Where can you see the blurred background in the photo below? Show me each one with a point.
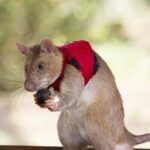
(119, 30)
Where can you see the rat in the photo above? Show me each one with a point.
(85, 92)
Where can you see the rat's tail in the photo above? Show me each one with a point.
(138, 139)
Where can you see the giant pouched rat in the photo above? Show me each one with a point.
(91, 109)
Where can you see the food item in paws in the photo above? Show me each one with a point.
(42, 95)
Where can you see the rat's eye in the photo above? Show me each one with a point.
(40, 66)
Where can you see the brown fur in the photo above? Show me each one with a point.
(91, 114)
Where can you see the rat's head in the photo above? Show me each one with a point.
(43, 63)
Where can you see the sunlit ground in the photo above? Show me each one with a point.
(24, 123)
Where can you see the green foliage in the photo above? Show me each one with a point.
(28, 21)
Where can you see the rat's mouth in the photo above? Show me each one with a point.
(29, 86)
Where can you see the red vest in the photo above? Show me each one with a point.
(80, 55)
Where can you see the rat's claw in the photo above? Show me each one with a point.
(49, 104)
(50, 97)
(36, 100)
(34, 95)
(40, 105)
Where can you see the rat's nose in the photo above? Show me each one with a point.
(29, 86)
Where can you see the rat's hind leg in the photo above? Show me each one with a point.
(72, 143)
(101, 138)
(69, 135)
(103, 141)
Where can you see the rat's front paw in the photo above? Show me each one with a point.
(50, 104)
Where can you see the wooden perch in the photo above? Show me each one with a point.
(38, 148)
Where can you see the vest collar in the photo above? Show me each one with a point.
(66, 58)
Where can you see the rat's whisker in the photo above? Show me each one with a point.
(17, 95)
(14, 80)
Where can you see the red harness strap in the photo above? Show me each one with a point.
(79, 54)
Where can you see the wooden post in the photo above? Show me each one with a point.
(38, 148)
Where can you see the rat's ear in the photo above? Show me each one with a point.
(46, 45)
(23, 49)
